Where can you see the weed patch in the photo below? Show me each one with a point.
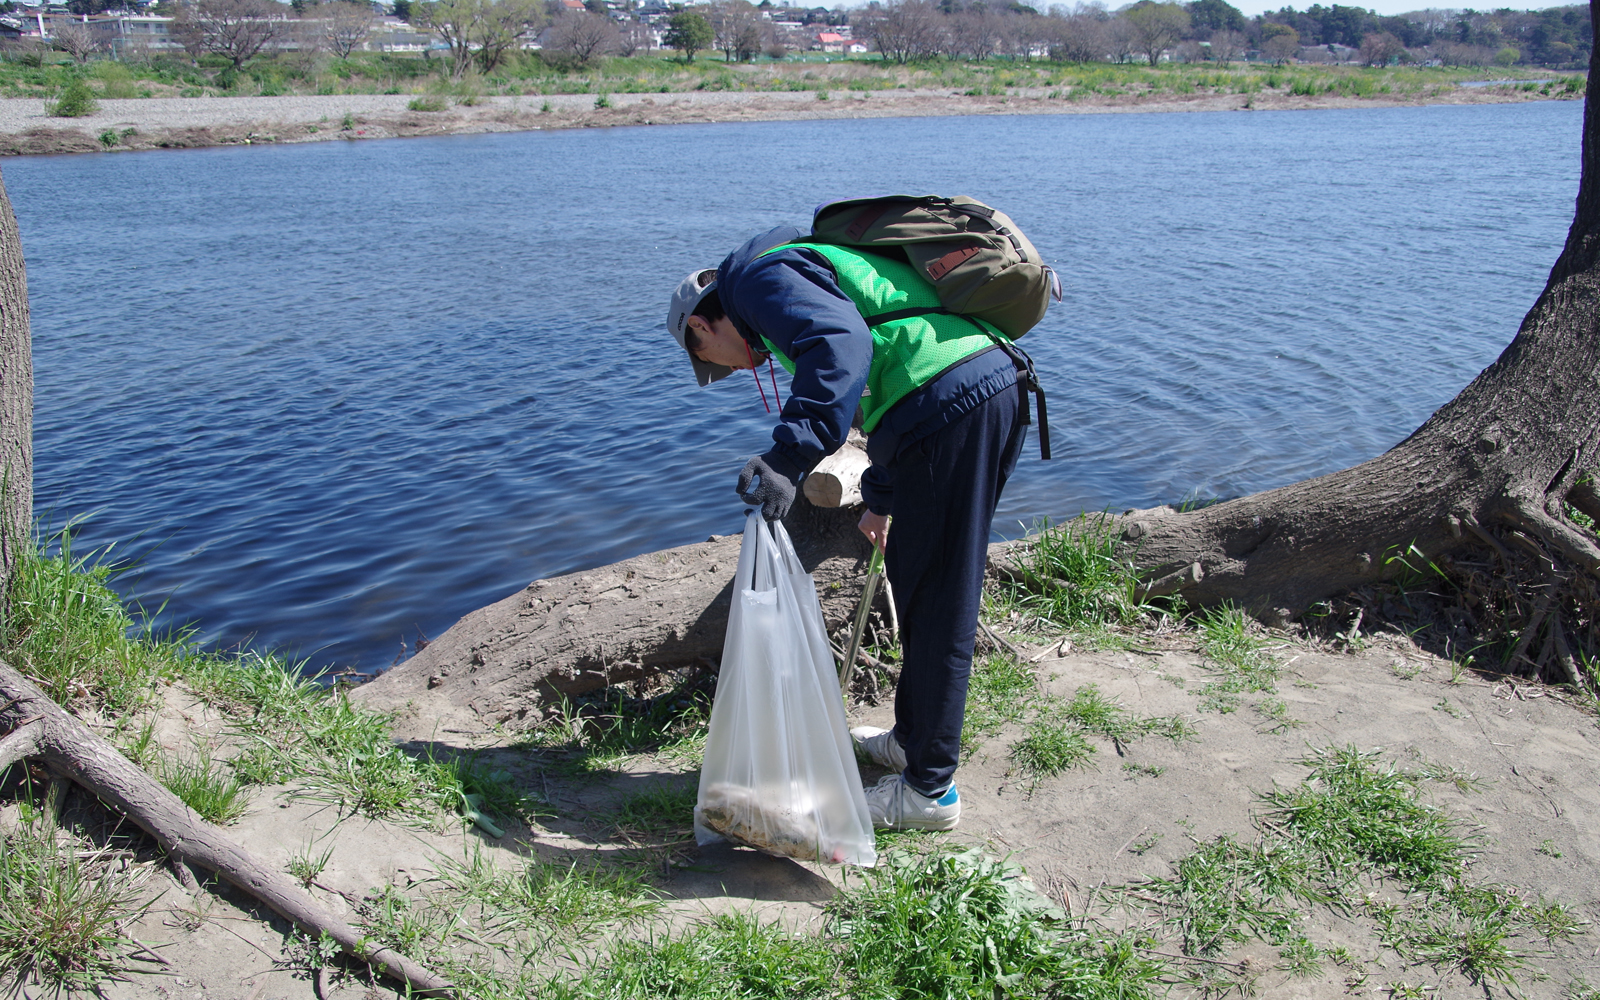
(60, 904)
(1354, 821)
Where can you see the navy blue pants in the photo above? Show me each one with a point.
(946, 487)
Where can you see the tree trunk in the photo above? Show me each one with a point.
(16, 396)
(38, 728)
(1494, 470)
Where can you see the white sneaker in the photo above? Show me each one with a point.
(895, 805)
(878, 746)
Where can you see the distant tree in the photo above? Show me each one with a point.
(1156, 27)
(235, 29)
(402, 10)
(688, 32)
(633, 36)
(1215, 15)
(581, 37)
(1280, 46)
(1380, 48)
(1226, 46)
(76, 39)
(902, 30)
(455, 22)
(82, 7)
(502, 28)
(1026, 33)
(1345, 26)
(1119, 40)
(1508, 56)
(975, 33)
(736, 26)
(345, 26)
(1077, 37)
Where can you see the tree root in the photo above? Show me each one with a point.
(72, 751)
(1577, 547)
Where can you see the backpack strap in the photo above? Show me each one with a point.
(1027, 375)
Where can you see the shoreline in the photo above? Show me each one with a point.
(187, 123)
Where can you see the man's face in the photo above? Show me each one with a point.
(720, 344)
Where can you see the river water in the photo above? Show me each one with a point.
(334, 395)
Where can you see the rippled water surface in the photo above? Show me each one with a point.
(339, 393)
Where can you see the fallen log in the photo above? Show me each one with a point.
(836, 481)
(40, 729)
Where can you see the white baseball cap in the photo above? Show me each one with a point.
(694, 288)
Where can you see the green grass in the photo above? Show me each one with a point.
(935, 924)
(70, 631)
(205, 785)
(1050, 747)
(603, 732)
(663, 811)
(60, 904)
(1355, 821)
(1360, 813)
(295, 730)
(1236, 656)
(999, 691)
(1075, 577)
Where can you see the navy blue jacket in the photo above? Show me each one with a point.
(793, 299)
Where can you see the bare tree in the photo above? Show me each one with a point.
(902, 30)
(633, 36)
(1156, 27)
(76, 39)
(1188, 51)
(502, 27)
(1379, 48)
(16, 399)
(581, 37)
(345, 26)
(736, 28)
(1119, 39)
(237, 29)
(975, 33)
(1078, 37)
(1226, 46)
(1027, 35)
(1281, 47)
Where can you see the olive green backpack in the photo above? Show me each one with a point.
(976, 258)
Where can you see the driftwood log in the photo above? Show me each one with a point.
(39, 729)
(572, 634)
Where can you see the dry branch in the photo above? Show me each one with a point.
(73, 751)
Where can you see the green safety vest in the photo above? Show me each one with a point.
(909, 352)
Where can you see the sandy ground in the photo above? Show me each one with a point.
(211, 121)
(1074, 833)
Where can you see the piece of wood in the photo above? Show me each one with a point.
(836, 481)
(73, 751)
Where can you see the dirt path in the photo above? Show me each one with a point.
(1128, 813)
(213, 121)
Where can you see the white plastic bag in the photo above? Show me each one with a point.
(779, 774)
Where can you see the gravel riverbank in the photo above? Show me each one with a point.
(214, 121)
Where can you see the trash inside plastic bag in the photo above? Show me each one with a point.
(779, 774)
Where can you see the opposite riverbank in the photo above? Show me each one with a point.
(180, 123)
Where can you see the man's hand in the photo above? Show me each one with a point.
(875, 527)
(774, 492)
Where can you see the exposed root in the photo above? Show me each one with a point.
(21, 742)
(1521, 603)
(1578, 547)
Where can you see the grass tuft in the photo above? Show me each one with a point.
(204, 784)
(60, 905)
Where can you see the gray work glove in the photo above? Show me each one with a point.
(774, 491)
